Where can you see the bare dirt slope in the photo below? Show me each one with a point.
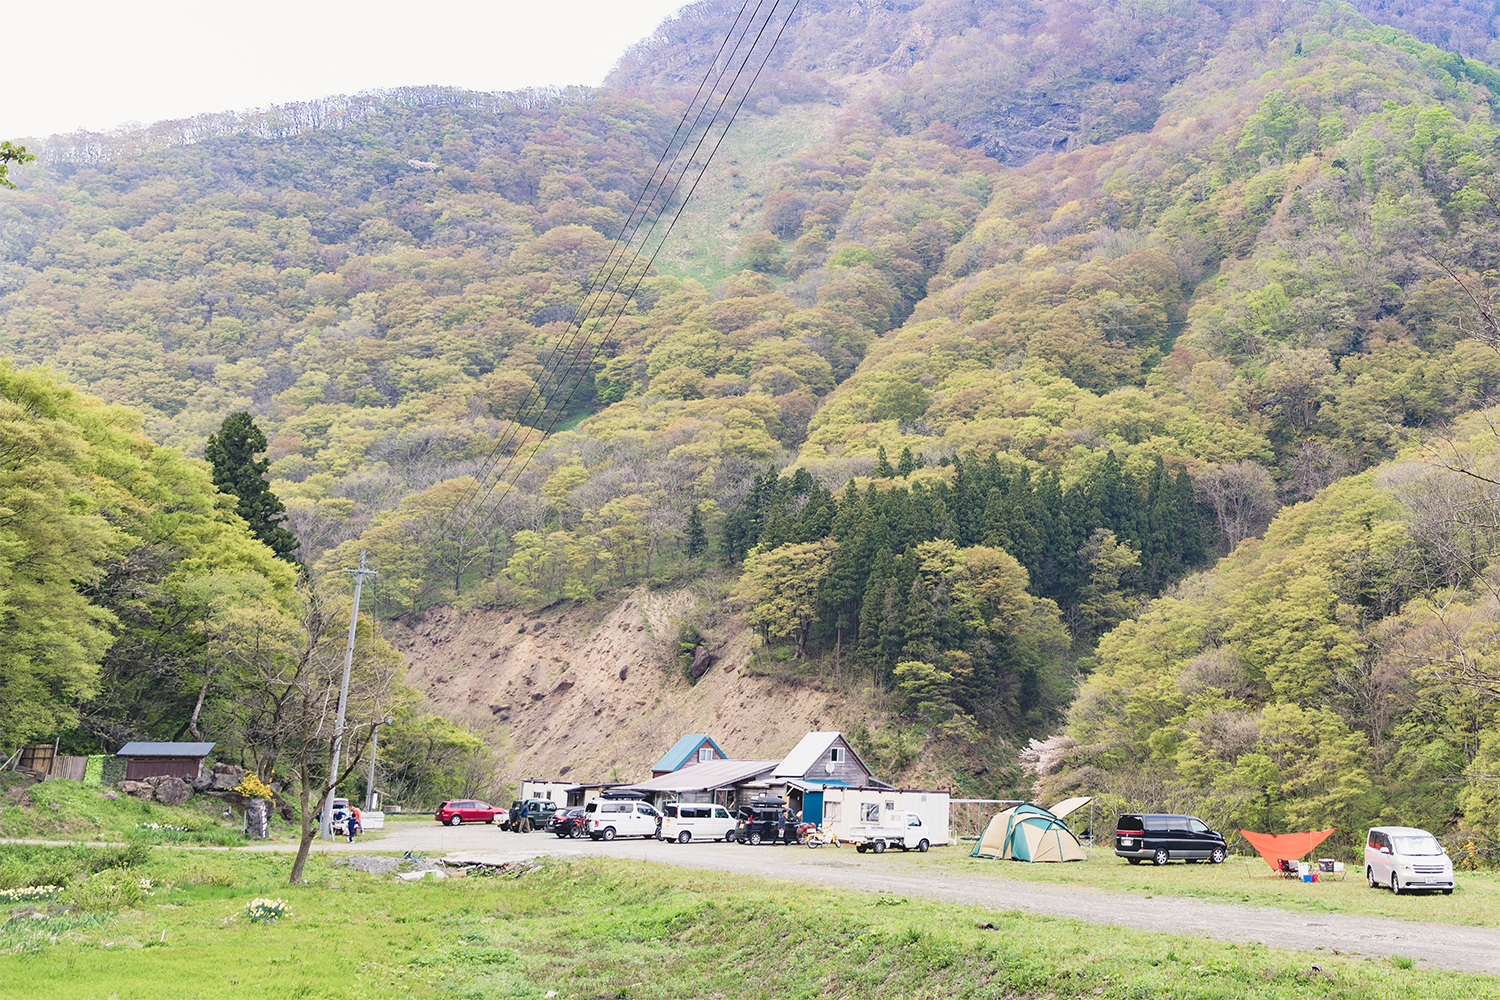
(588, 690)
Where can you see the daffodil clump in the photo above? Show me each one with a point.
(267, 911)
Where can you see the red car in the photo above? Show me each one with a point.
(466, 811)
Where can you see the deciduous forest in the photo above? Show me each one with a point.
(1110, 386)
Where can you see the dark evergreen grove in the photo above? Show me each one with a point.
(1085, 546)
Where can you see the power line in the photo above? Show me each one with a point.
(681, 207)
(625, 238)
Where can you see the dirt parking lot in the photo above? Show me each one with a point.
(1470, 949)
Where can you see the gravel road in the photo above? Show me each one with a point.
(1469, 949)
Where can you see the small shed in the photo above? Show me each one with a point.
(158, 760)
(694, 748)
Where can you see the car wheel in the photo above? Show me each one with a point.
(576, 834)
(609, 833)
(1217, 857)
(861, 848)
(1395, 885)
(1161, 856)
(755, 840)
(684, 837)
(1134, 861)
(1447, 892)
(1370, 877)
(455, 821)
(879, 847)
(922, 846)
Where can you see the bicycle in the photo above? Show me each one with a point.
(818, 836)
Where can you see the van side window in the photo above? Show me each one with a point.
(720, 812)
(913, 820)
(1197, 826)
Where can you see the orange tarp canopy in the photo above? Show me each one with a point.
(1276, 847)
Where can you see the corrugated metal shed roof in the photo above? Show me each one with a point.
(165, 750)
(681, 750)
(807, 753)
(709, 774)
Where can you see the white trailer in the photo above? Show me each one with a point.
(844, 809)
(906, 832)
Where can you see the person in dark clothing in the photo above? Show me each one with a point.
(525, 817)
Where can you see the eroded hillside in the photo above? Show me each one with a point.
(587, 693)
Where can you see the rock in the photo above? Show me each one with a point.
(522, 629)
(173, 791)
(702, 660)
(538, 695)
(226, 779)
(498, 709)
(562, 685)
(139, 789)
(623, 672)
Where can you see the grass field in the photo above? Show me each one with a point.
(1476, 901)
(72, 810)
(607, 928)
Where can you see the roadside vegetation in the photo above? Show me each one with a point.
(72, 810)
(612, 928)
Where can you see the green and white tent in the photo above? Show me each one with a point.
(1029, 833)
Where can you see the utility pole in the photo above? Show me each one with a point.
(370, 788)
(325, 821)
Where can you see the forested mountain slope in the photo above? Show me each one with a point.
(1058, 304)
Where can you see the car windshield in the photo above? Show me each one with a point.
(1418, 845)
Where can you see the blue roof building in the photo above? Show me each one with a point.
(695, 748)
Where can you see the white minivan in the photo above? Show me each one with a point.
(611, 818)
(1405, 858)
(685, 821)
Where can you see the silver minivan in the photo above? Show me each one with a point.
(1406, 858)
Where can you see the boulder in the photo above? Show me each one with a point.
(226, 779)
(173, 791)
(702, 660)
(139, 789)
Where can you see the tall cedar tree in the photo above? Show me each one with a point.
(236, 470)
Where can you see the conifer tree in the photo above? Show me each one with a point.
(697, 537)
(232, 452)
(883, 468)
(906, 465)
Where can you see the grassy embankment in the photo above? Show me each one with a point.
(72, 810)
(605, 928)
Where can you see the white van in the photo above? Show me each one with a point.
(1405, 858)
(611, 818)
(685, 821)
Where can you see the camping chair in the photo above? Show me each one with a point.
(1287, 869)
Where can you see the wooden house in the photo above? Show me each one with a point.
(695, 748)
(156, 760)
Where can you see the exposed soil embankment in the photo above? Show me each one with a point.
(587, 689)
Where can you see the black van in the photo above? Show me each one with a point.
(1162, 838)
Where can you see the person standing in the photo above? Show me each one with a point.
(525, 817)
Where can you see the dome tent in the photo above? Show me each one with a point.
(1028, 833)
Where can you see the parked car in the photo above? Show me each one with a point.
(465, 811)
(538, 816)
(1406, 858)
(613, 818)
(568, 823)
(765, 824)
(685, 821)
(1160, 838)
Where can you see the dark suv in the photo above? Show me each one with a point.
(1161, 838)
(757, 824)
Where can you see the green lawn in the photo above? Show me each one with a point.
(1475, 902)
(72, 810)
(610, 928)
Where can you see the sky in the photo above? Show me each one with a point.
(88, 64)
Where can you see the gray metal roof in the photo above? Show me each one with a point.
(809, 751)
(165, 750)
(709, 774)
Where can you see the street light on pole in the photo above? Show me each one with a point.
(325, 821)
(370, 788)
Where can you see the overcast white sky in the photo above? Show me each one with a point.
(74, 64)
